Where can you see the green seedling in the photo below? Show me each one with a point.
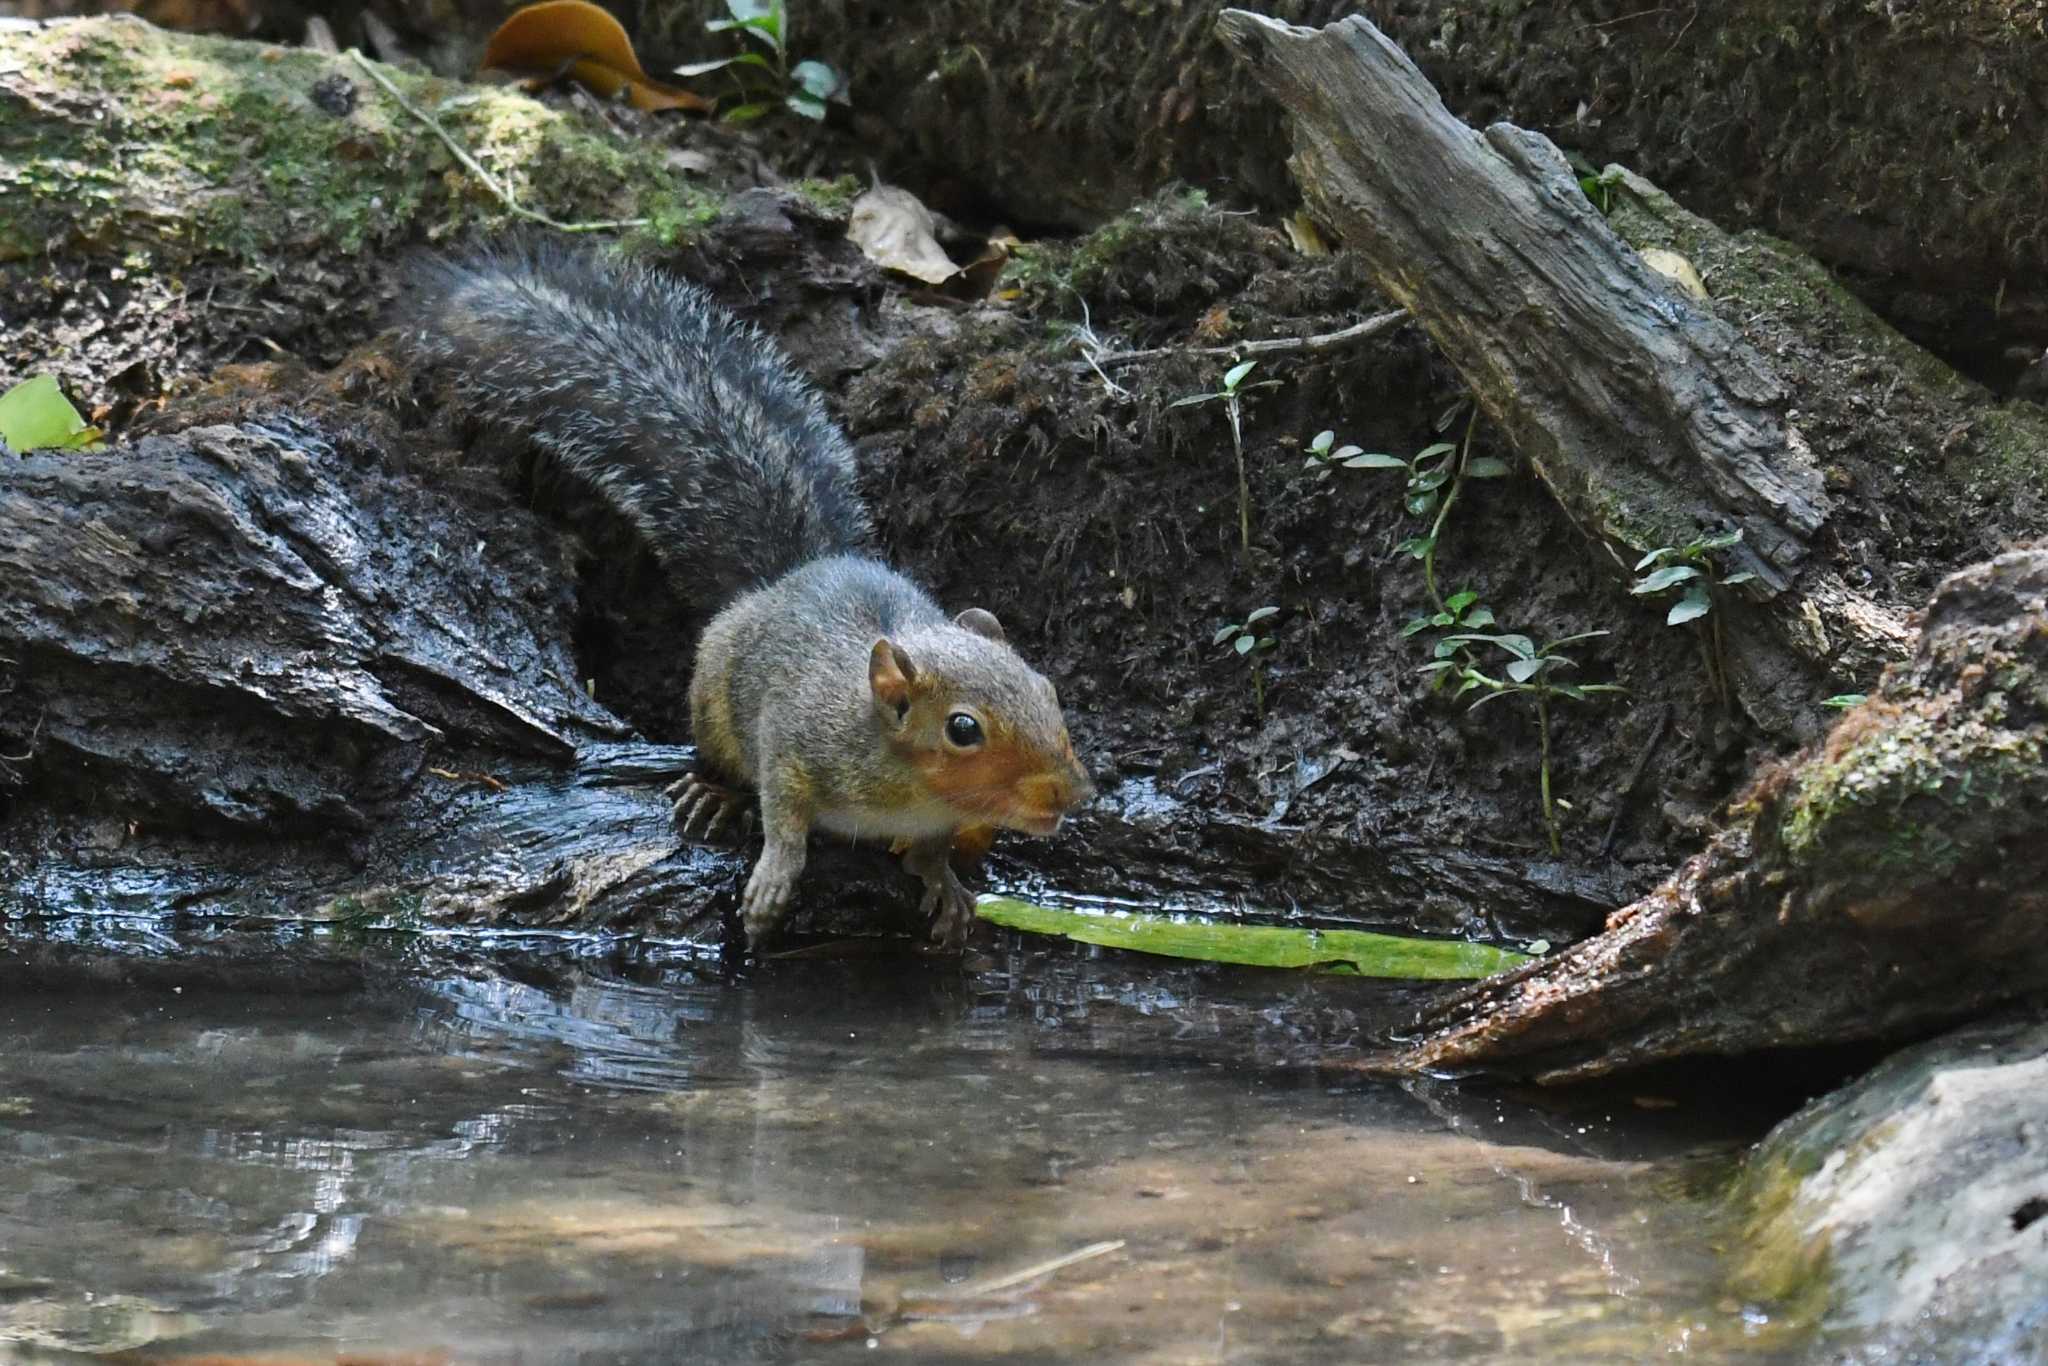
(1690, 571)
(1530, 673)
(1247, 644)
(1597, 185)
(1462, 610)
(1231, 395)
(1599, 188)
(1842, 701)
(766, 82)
(1436, 476)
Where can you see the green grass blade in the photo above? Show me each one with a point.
(1356, 953)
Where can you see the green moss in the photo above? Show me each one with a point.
(213, 146)
(1050, 274)
(1754, 273)
(1779, 1262)
(2010, 450)
(831, 198)
(1906, 804)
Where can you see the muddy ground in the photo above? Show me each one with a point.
(1100, 523)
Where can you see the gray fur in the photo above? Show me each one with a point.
(682, 417)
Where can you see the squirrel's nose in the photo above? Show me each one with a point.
(1056, 793)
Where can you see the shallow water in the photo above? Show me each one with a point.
(549, 1158)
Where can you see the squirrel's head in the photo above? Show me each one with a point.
(981, 728)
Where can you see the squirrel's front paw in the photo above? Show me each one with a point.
(951, 904)
(946, 898)
(770, 888)
(702, 807)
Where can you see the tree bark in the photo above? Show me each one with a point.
(1888, 881)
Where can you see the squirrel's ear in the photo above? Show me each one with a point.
(890, 674)
(982, 623)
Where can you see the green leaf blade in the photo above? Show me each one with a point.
(1694, 605)
(35, 415)
(1349, 952)
(1669, 576)
(818, 79)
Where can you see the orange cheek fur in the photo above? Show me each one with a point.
(982, 781)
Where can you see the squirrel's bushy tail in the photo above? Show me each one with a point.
(682, 417)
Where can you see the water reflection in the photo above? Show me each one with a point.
(566, 1162)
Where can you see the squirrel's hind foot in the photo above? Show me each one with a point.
(703, 808)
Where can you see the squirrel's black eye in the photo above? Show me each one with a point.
(962, 730)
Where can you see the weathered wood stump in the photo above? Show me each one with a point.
(1649, 418)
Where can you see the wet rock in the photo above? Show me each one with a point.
(1908, 1212)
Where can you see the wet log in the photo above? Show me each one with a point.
(256, 627)
(265, 672)
(1888, 881)
(1649, 418)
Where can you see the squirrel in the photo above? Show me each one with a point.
(829, 683)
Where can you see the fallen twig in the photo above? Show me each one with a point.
(475, 168)
(1324, 341)
(1036, 1271)
(494, 784)
(1635, 776)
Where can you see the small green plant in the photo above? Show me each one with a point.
(1231, 395)
(1436, 476)
(1462, 609)
(1842, 701)
(1247, 644)
(1599, 187)
(765, 82)
(1529, 673)
(1690, 570)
